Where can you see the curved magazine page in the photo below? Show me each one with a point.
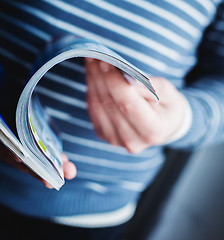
(44, 158)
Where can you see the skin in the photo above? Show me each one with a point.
(68, 167)
(127, 115)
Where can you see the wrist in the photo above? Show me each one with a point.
(185, 124)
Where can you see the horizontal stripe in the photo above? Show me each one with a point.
(93, 144)
(65, 81)
(213, 110)
(68, 118)
(96, 187)
(61, 97)
(164, 32)
(14, 58)
(150, 43)
(159, 36)
(126, 166)
(208, 5)
(161, 66)
(107, 219)
(105, 147)
(169, 16)
(18, 41)
(73, 66)
(29, 28)
(111, 179)
(189, 10)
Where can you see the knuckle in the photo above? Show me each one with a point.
(109, 104)
(130, 145)
(147, 137)
(127, 107)
(135, 148)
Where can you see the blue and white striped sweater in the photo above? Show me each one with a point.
(161, 39)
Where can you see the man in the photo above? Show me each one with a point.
(162, 40)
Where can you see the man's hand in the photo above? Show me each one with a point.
(128, 115)
(68, 167)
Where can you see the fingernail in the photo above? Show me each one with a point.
(104, 67)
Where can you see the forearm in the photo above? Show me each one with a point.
(205, 98)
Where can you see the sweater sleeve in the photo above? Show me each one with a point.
(204, 89)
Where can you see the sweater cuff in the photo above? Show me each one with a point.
(185, 125)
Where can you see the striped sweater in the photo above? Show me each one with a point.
(182, 41)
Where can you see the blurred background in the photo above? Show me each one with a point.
(186, 201)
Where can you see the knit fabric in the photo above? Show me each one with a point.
(161, 38)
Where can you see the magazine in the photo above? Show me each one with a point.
(38, 146)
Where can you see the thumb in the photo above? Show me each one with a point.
(68, 168)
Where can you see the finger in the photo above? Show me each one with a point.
(133, 107)
(102, 123)
(69, 170)
(46, 184)
(12, 159)
(130, 139)
(132, 135)
(96, 105)
(96, 111)
(64, 158)
(126, 134)
(7, 155)
(107, 104)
